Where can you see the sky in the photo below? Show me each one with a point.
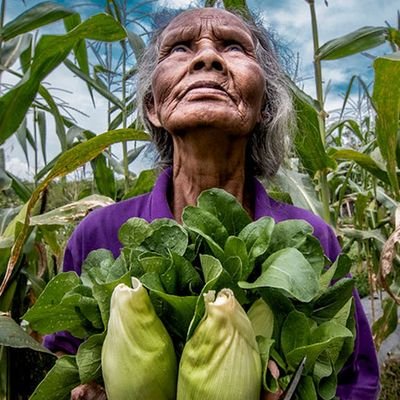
(289, 19)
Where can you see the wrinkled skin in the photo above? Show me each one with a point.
(208, 93)
(88, 391)
(207, 76)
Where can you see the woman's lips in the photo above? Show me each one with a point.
(201, 89)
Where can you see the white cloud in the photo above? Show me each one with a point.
(19, 168)
(174, 3)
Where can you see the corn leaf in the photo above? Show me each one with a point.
(301, 190)
(92, 83)
(387, 323)
(363, 160)
(386, 97)
(142, 184)
(80, 49)
(11, 50)
(50, 51)
(362, 39)
(71, 212)
(37, 16)
(66, 163)
(307, 140)
(103, 176)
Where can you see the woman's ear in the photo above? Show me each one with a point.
(151, 113)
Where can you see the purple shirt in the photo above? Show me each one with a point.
(359, 379)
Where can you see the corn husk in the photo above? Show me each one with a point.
(138, 357)
(262, 318)
(221, 360)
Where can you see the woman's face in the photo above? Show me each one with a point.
(207, 75)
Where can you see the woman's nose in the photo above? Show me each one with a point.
(208, 58)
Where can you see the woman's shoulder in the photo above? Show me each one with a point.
(112, 216)
(99, 229)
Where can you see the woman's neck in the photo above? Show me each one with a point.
(201, 164)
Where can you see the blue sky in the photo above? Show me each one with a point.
(290, 19)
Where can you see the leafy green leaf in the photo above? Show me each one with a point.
(289, 271)
(295, 322)
(207, 226)
(257, 236)
(262, 318)
(134, 231)
(332, 300)
(88, 358)
(306, 389)
(290, 233)
(12, 335)
(102, 293)
(166, 238)
(226, 208)
(50, 314)
(321, 338)
(235, 247)
(98, 267)
(59, 382)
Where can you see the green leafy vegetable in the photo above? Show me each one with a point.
(275, 271)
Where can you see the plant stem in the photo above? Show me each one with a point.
(323, 181)
(124, 118)
(2, 17)
(35, 122)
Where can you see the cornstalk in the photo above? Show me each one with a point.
(124, 118)
(323, 181)
(2, 16)
(5, 376)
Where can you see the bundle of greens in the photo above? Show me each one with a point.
(274, 276)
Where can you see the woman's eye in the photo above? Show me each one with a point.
(179, 48)
(234, 47)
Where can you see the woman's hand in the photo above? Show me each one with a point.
(89, 391)
(274, 371)
(271, 396)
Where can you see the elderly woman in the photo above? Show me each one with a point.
(214, 99)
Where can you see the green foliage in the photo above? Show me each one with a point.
(286, 263)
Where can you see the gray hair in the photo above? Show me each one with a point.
(270, 139)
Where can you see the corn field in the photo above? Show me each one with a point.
(344, 167)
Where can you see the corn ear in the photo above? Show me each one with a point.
(221, 360)
(138, 357)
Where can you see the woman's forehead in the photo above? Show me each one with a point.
(204, 17)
